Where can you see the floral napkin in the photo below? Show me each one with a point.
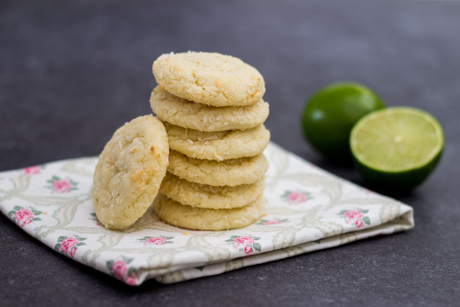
(307, 209)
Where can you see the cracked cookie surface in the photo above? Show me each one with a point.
(209, 78)
(188, 114)
(231, 172)
(206, 196)
(129, 172)
(218, 146)
(189, 217)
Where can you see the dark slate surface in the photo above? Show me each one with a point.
(70, 74)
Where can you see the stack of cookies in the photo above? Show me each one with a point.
(212, 108)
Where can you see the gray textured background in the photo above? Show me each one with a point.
(71, 73)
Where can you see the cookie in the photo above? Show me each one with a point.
(189, 217)
(209, 78)
(129, 172)
(191, 115)
(206, 196)
(228, 172)
(219, 146)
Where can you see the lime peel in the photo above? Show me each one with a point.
(331, 113)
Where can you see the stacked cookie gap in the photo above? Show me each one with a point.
(212, 108)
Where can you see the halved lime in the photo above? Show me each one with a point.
(397, 148)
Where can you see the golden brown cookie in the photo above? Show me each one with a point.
(206, 196)
(189, 217)
(209, 78)
(226, 173)
(191, 115)
(129, 172)
(219, 146)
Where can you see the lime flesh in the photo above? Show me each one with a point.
(397, 148)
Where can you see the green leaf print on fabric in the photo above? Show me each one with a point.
(95, 219)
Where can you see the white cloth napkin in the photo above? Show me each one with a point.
(307, 209)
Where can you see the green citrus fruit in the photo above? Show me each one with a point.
(332, 112)
(397, 148)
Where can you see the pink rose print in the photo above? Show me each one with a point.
(355, 217)
(353, 214)
(61, 186)
(156, 241)
(33, 170)
(131, 280)
(72, 252)
(245, 244)
(295, 197)
(243, 239)
(247, 249)
(274, 221)
(24, 216)
(160, 240)
(68, 245)
(119, 269)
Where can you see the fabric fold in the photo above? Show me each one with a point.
(307, 209)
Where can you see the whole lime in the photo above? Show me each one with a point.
(331, 113)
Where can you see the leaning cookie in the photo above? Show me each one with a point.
(206, 196)
(129, 172)
(226, 173)
(219, 146)
(189, 217)
(191, 115)
(209, 78)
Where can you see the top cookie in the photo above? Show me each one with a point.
(129, 172)
(209, 78)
